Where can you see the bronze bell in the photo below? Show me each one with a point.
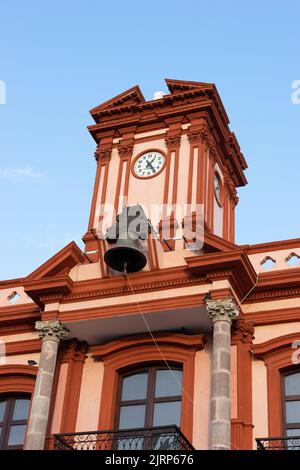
(126, 255)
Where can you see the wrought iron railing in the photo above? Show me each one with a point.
(159, 438)
(278, 443)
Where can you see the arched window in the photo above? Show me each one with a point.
(13, 421)
(291, 405)
(149, 397)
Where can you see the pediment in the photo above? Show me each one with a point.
(52, 277)
(183, 85)
(60, 264)
(128, 97)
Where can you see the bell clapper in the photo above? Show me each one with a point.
(125, 268)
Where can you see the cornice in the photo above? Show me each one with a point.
(11, 283)
(130, 308)
(273, 294)
(274, 246)
(276, 284)
(184, 103)
(19, 314)
(235, 264)
(22, 347)
(16, 328)
(41, 288)
(125, 290)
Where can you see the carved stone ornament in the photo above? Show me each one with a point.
(200, 134)
(243, 329)
(103, 153)
(52, 330)
(173, 140)
(125, 149)
(222, 310)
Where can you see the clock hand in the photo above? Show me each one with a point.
(150, 166)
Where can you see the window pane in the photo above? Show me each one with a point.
(135, 387)
(167, 413)
(2, 409)
(292, 384)
(21, 409)
(16, 435)
(293, 432)
(292, 411)
(168, 383)
(132, 416)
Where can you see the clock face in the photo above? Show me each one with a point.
(217, 186)
(149, 164)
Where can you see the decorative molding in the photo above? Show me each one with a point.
(198, 134)
(277, 354)
(273, 246)
(117, 114)
(117, 309)
(73, 349)
(125, 149)
(15, 348)
(272, 317)
(125, 290)
(19, 314)
(233, 265)
(243, 330)
(11, 283)
(273, 294)
(72, 352)
(15, 378)
(274, 345)
(103, 153)
(125, 344)
(173, 140)
(17, 328)
(231, 191)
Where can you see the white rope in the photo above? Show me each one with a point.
(162, 355)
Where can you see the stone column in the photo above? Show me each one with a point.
(221, 313)
(50, 332)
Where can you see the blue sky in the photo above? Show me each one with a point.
(59, 59)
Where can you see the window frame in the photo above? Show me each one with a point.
(150, 399)
(287, 398)
(135, 350)
(8, 421)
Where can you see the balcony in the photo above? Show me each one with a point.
(159, 438)
(278, 443)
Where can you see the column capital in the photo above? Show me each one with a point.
(223, 309)
(52, 330)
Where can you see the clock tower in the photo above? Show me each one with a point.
(175, 156)
(176, 338)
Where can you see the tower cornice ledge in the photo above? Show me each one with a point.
(233, 265)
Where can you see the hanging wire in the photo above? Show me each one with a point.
(161, 353)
